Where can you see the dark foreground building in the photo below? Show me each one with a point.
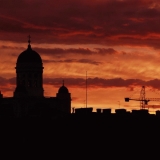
(84, 135)
(28, 99)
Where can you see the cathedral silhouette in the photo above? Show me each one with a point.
(28, 98)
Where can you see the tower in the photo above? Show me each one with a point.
(64, 99)
(29, 74)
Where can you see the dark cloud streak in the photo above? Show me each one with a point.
(92, 82)
(80, 51)
(73, 61)
(103, 83)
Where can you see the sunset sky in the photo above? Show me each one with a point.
(116, 41)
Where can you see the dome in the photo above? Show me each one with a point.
(28, 56)
(63, 89)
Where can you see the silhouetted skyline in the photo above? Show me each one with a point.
(116, 42)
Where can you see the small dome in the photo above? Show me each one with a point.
(28, 56)
(63, 89)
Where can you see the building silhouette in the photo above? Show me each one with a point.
(28, 98)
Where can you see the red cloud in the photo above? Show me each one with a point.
(74, 22)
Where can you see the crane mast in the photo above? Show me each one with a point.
(142, 98)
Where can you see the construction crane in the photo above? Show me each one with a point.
(143, 101)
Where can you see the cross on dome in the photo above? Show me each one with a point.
(29, 41)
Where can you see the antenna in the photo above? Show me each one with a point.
(86, 89)
(119, 103)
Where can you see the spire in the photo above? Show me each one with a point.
(1, 95)
(63, 82)
(29, 41)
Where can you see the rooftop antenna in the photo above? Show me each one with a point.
(119, 103)
(86, 89)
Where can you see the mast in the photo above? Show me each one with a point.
(86, 89)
